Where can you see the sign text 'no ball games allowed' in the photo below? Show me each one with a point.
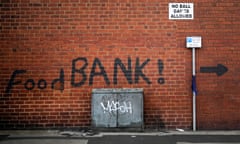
(181, 11)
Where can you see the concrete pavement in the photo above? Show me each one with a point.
(44, 141)
(89, 137)
(83, 133)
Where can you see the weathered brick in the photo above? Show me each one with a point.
(41, 39)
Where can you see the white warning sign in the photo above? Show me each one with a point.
(181, 11)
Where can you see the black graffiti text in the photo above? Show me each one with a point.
(80, 75)
(30, 84)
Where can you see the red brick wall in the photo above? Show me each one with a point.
(53, 53)
(219, 98)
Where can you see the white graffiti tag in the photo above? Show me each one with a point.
(112, 106)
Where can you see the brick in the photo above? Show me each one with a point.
(44, 37)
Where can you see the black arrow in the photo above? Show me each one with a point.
(219, 70)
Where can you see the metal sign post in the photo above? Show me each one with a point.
(194, 91)
(194, 42)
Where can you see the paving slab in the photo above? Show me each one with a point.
(44, 141)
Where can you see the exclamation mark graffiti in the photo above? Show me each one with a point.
(160, 70)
